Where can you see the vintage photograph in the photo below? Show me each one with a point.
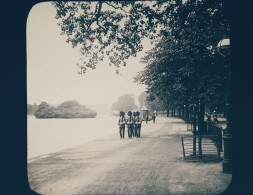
(129, 97)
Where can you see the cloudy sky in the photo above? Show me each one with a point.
(52, 71)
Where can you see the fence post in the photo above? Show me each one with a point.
(183, 146)
(212, 133)
(208, 128)
(220, 139)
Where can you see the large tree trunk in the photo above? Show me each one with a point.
(194, 129)
(187, 113)
(183, 113)
(201, 116)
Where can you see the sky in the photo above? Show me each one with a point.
(52, 72)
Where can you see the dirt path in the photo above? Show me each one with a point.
(152, 164)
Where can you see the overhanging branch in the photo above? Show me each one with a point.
(98, 10)
(116, 7)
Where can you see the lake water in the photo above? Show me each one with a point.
(50, 135)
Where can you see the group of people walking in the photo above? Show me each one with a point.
(133, 122)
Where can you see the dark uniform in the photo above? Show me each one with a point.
(138, 122)
(130, 124)
(153, 117)
(134, 129)
(147, 119)
(122, 122)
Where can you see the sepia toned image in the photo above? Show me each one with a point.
(129, 97)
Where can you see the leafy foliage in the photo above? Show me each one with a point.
(31, 109)
(151, 104)
(142, 99)
(106, 28)
(184, 66)
(68, 109)
(124, 103)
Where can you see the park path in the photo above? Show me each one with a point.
(152, 164)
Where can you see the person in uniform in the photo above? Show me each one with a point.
(130, 124)
(146, 119)
(134, 129)
(122, 122)
(215, 117)
(138, 122)
(153, 117)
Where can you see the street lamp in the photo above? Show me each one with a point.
(224, 47)
(224, 50)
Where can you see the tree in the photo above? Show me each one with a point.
(156, 104)
(152, 104)
(124, 103)
(106, 28)
(142, 98)
(35, 108)
(184, 66)
(162, 74)
(29, 109)
(116, 28)
(68, 109)
(43, 105)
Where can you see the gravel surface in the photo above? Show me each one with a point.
(152, 164)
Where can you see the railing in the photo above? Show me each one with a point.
(206, 146)
(216, 133)
(190, 125)
(209, 151)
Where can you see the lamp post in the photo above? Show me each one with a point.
(224, 50)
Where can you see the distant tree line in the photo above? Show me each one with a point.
(31, 109)
(124, 103)
(155, 105)
(68, 109)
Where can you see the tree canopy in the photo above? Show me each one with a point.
(182, 68)
(68, 109)
(106, 28)
(124, 103)
(142, 99)
(31, 109)
(154, 104)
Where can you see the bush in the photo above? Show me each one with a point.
(68, 109)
